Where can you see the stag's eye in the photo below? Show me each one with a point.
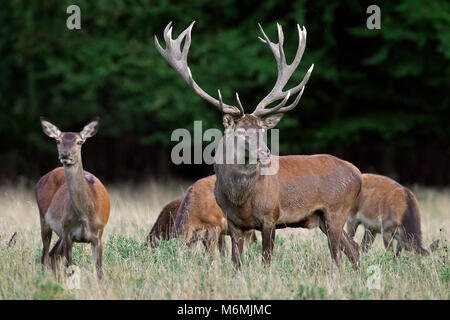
(58, 142)
(80, 142)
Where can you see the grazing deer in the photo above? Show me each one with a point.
(72, 202)
(193, 217)
(306, 191)
(163, 229)
(384, 206)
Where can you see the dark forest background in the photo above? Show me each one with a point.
(377, 98)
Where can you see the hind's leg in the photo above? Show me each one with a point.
(399, 248)
(250, 237)
(367, 241)
(352, 224)
(222, 246)
(55, 255)
(210, 240)
(97, 254)
(46, 234)
(388, 239)
(68, 250)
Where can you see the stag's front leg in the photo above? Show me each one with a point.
(237, 244)
(268, 240)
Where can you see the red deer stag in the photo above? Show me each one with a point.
(306, 191)
(384, 206)
(72, 202)
(193, 217)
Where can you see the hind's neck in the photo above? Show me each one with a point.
(79, 193)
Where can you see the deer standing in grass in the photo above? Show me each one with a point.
(385, 206)
(193, 217)
(305, 191)
(72, 202)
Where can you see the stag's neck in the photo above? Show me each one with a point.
(78, 190)
(237, 181)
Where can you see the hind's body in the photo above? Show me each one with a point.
(72, 202)
(199, 217)
(57, 212)
(384, 206)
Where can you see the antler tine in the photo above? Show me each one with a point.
(239, 104)
(177, 59)
(284, 73)
(279, 107)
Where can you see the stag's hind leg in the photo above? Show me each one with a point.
(351, 249)
(333, 233)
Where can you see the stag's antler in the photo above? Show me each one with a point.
(177, 58)
(284, 73)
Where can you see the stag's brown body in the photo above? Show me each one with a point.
(306, 191)
(195, 217)
(384, 206)
(72, 202)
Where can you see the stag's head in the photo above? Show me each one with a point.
(69, 143)
(237, 123)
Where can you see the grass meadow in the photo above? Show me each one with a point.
(301, 267)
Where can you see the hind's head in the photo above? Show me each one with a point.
(69, 143)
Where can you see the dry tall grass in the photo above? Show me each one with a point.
(301, 267)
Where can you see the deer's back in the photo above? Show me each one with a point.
(381, 198)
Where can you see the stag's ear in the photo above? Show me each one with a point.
(228, 121)
(50, 129)
(271, 121)
(90, 129)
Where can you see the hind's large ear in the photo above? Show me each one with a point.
(90, 129)
(50, 129)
